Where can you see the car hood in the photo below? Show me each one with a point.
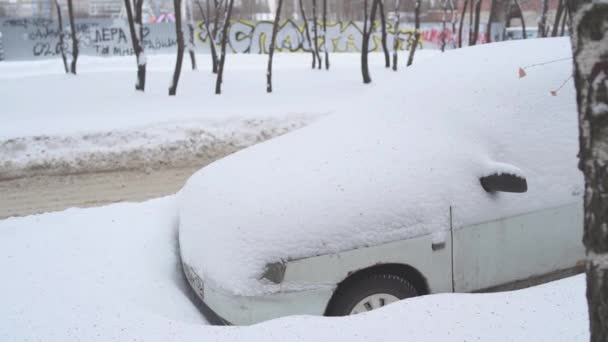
(389, 166)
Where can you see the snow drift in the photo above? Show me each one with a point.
(112, 274)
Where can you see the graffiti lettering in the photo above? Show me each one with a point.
(110, 34)
(39, 37)
(249, 37)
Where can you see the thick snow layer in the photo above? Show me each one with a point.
(390, 169)
(162, 145)
(111, 274)
(52, 122)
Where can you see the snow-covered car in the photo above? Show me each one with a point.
(461, 178)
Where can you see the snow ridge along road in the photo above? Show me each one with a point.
(58, 172)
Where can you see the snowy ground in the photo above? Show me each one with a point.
(97, 122)
(111, 274)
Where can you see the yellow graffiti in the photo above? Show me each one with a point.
(349, 40)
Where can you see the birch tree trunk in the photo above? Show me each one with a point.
(367, 32)
(307, 31)
(325, 40)
(222, 61)
(444, 5)
(61, 37)
(387, 56)
(491, 18)
(453, 14)
(177, 5)
(521, 17)
(74, 38)
(275, 29)
(191, 46)
(590, 49)
(396, 39)
(542, 21)
(476, 25)
(460, 28)
(558, 17)
(498, 14)
(136, 30)
(206, 21)
(564, 19)
(315, 32)
(410, 59)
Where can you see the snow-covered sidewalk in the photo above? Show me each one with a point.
(111, 274)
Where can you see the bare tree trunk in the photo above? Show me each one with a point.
(74, 37)
(471, 6)
(444, 5)
(521, 17)
(275, 29)
(315, 32)
(219, 14)
(498, 14)
(491, 18)
(476, 27)
(367, 32)
(396, 39)
(410, 59)
(141, 56)
(558, 17)
(210, 36)
(460, 28)
(177, 4)
(387, 56)
(454, 14)
(136, 29)
(61, 34)
(222, 62)
(589, 36)
(191, 46)
(564, 19)
(542, 22)
(325, 48)
(307, 31)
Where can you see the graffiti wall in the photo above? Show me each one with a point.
(38, 38)
(254, 37)
(27, 39)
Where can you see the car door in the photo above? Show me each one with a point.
(506, 250)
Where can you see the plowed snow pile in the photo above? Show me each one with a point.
(54, 123)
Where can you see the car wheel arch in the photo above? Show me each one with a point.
(413, 275)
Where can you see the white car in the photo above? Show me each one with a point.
(460, 178)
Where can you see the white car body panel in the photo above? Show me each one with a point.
(485, 255)
(416, 252)
(519, 247)
(245, 310)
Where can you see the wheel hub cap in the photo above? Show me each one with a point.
(373, 302)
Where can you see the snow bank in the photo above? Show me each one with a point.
(153, 147)
(392, 168)
(87, 274)
(112, 274)
(57, 123)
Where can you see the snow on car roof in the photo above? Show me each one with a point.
(390, 164)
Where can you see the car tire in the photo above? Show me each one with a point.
(347, 297)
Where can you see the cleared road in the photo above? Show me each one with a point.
(38, 194)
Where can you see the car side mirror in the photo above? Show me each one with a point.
(504, 182)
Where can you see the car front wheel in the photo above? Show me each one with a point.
(369, 293)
